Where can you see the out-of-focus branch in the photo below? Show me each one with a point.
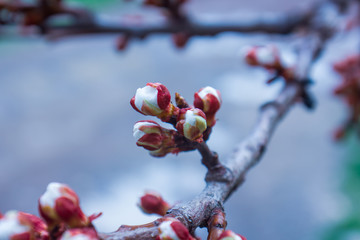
(280, 25)
(40, 13)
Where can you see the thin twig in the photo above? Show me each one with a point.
(217, 224)
(216, 170)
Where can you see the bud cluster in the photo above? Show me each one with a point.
(349, 90)
(268, 57)
(190, 122)
(62, 219)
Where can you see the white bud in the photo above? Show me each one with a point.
(149, 95)
(209, 90)
(52, 193)
(167, 232)
(10, 225)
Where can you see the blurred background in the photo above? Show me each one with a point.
(65, 116)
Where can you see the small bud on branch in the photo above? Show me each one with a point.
(268, 57)
(16, 225)
(60, 205)
(154, 100)
(191, 123)
(152, 202)
(158, 140)
(209, 101)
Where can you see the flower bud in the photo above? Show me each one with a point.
(148, 134)
(339, 133)
(265, 56)
(80, 234)
(191, 123)
(180, 39)
(208, 100)
(152, 202)
(153, 100)
(122, 42)
(151, 136)
(60, 204)
(230, 235)
(22, 226)
(180, 101)
(172, 229)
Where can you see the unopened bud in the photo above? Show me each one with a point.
(180, 101)
(208, 100)
(230, 235)
(158, 3)
(122, 42)
(148, 134)
(172, 229)
(60, 204)
(153, 100)
(265, 56)
(180, 39)
(152, 202)
(339, 133)
(16, 225)
(191, 123)
(80, 234)
(151, 136)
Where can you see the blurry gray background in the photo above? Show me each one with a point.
(65, 116)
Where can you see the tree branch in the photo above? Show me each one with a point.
(86, 24)
(279, 25)
(195, 213)
(200, 210)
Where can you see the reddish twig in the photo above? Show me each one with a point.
(216, 224)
